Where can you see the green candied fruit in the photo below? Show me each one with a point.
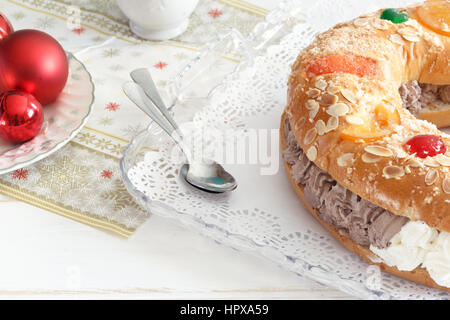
(394, 15)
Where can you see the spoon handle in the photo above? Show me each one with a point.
(143, 78)
(136, 94)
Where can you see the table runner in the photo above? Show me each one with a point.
(82, 181)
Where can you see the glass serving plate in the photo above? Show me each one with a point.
(63, 119)
(263, 214)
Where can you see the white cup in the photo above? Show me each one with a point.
(158, 19)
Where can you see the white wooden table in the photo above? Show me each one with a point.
(46, 256)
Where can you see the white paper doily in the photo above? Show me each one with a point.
(263, 214)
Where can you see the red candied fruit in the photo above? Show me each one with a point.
(425, 145)
(361, 66)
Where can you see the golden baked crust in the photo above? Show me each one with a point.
(418, 275)
(440, 117)
(403, 184)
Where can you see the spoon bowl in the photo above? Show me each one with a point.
(216, 179)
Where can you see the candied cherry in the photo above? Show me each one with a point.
(394, 15)
(361, 66)
(425, 145)
(436, 16)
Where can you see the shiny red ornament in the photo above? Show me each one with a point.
(33, 61)
(5, 27)
(425, 145)
(21, 116)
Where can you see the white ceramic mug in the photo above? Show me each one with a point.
(158, 19)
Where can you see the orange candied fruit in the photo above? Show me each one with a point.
(361, 66)
(378, 125)
(435, 15)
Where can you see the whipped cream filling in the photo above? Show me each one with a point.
(364, 222)
(418, 245)
(395, 239)
(416, 96)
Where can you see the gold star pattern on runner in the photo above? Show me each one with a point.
(45, 23)
(111, 53)
(18, 15)
(121, 197)
(105, 121)
(63, 176)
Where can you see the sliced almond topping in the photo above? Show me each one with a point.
(311, 104)
(338, 109)
(407, 169)
(312, 153)
(332, 89)
(357, 121)
(443, 161)
(313, 92)
(414, 163)
(345, 159)
(299, 123)
(411, 22)
(379, 151)
(408, 31)
(379, 24)
(347, 94)
(411, 38)
(431, 177)
(321, 84)
(431, 162)
(329, 99)
(332, 123)
(391, 172)
(313, 112)
(396, 38)
(310, 136)
(446, 184)
(361, 22)
(370, 158)
(400, 154)
(321, 127)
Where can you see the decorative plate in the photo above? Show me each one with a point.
(62, 121)
(263, 214)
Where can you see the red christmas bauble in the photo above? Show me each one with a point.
(21, 116)
(5, 27)
(33, 61)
